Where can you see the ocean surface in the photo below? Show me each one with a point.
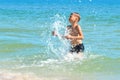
(28, 51)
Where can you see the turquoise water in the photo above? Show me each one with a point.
(27, 46)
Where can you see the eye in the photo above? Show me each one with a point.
(70, 15)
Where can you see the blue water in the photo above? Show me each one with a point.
(27, 45)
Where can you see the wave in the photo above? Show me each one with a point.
(51, 69)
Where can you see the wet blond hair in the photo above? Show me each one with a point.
(77, 15)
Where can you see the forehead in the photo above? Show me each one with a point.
(72, 14)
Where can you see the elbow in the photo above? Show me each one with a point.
(82, 37)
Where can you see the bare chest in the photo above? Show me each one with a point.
(73, 32)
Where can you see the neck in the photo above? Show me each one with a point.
(74, 24)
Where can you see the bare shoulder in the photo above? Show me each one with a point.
(79, 28)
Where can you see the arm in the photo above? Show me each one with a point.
(79, 36)
(54, 33)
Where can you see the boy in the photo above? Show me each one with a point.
(75, 34)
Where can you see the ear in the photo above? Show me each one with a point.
(76, 19)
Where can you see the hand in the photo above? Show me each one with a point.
(54, 33)
(68, 37)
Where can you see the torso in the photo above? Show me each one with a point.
(74, 32)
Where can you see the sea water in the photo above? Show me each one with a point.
(28, 51)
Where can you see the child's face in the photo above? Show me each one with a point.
(72, 18)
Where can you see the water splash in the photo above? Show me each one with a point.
(58, 46)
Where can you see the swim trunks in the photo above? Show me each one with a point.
(78, 48)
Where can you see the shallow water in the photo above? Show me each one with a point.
(29, 51)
